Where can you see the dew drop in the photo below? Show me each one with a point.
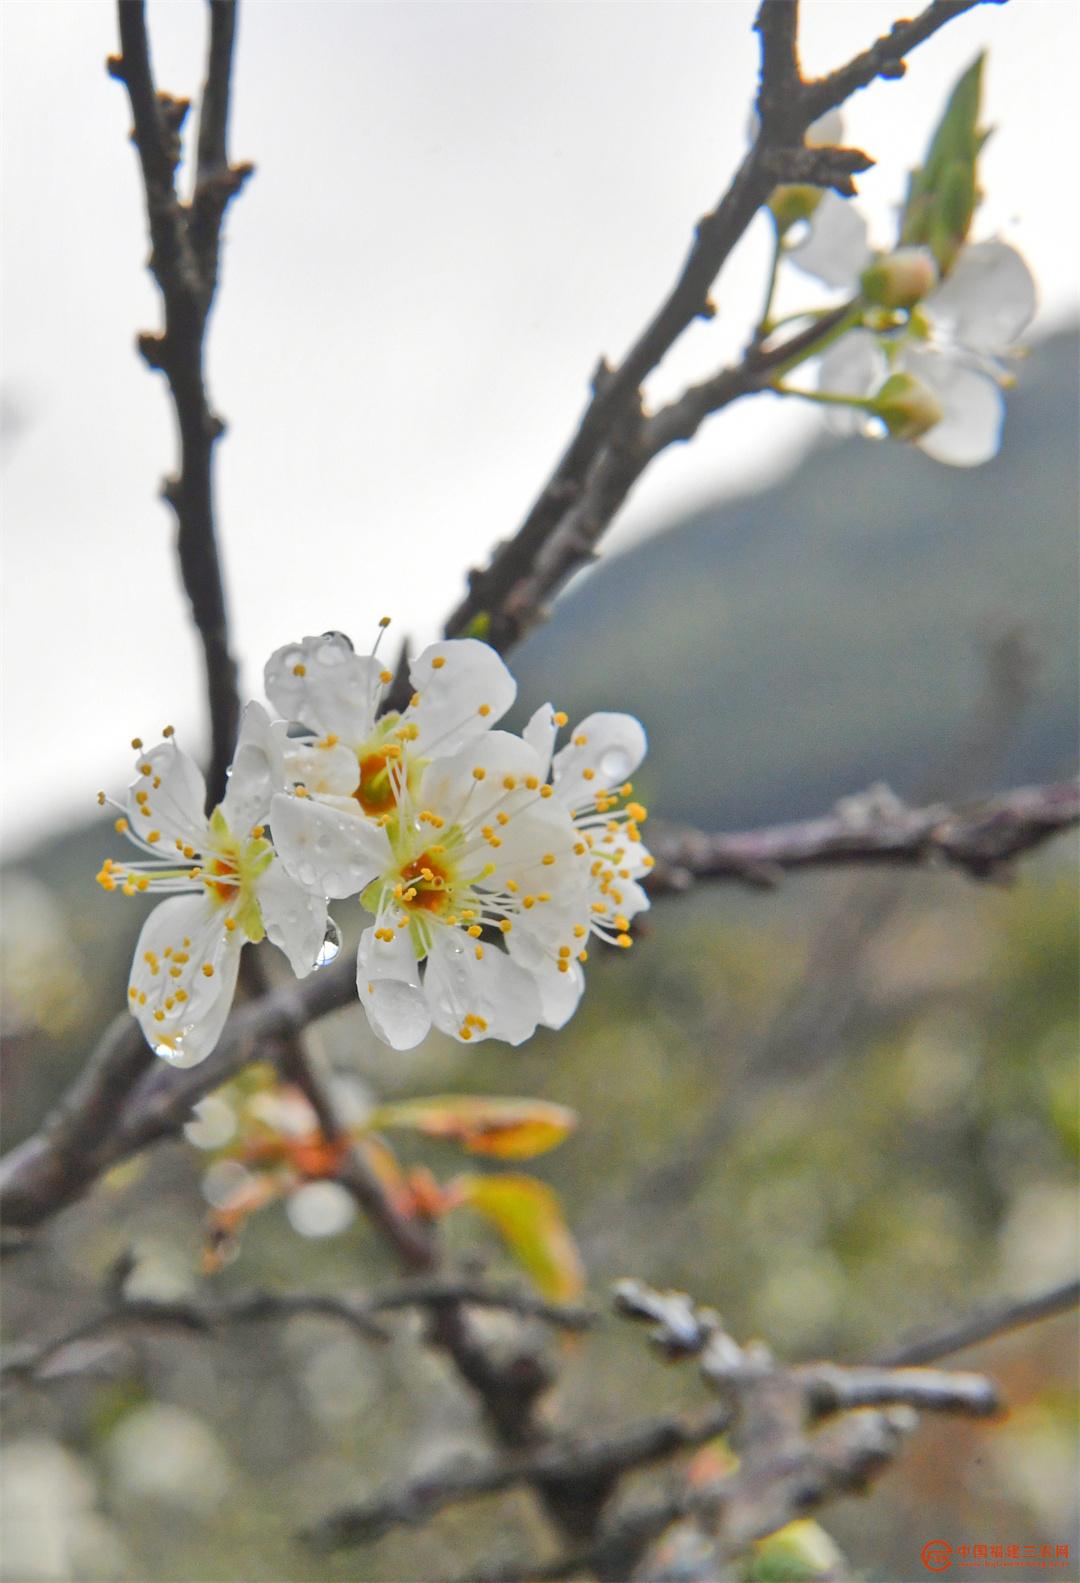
(306, 874)
(876, 429)
(331, 946)
(615, 764)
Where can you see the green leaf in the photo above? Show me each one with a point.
(509, 1129)
(943, 193)
(528, 1216)
(801, 1550)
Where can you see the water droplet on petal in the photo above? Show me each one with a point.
(615, 764)
(306, 873)
(331, 945)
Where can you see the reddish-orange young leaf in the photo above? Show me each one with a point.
(508, 1129)
(428, 1198)
(383, 1161)
(529, 1218)
(224, 1223)
(316, 1156)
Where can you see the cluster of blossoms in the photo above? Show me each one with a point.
(487, 860)
(918, 355)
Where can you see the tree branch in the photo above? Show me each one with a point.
(185, 244)
(983, 1325)
(614, 441)
(980, 838)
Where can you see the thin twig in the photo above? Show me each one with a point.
(983, 1325)
(185, 245)
(614, 441)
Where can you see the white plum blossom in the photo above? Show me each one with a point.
(950, 342)
(349, 757)
(224, 885)
(478, 884)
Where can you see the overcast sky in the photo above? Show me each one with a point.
(458, 207)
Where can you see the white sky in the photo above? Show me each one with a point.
(458, 207)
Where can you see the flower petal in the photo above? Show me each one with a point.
(463, 688)
(169, 798)
(294, 918)
(855, 366)
(540, 734)
(559, 989)
(388, 983)
(331, 771)
(970, 432)
(324, 848)
(453, 788)
(988, 299)
(500, 999)
(324, 685)
(258, 770)
(835, 249)
(183, 977)
(603, 750)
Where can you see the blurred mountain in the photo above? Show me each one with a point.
(789, 647)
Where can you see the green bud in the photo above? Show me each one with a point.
(801, 1550)
(900, 279)
(479, 626)
(907, 407)
(789, 205)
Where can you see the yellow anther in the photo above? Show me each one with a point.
(142, 997)
(170, 1003)
(414, 700)
(159, 1016)
(588, 775)
(102, 799)
(624, 940)
(544, 895)
(189, 851)
(528, 902)
(505, 925)
(583, 956)
(133, 993)
(142, 883)
(153, 835)
(563, 965)
(512, 886)
(301, 791)
(547, 791)
(475, 931)
(648, 861)
(636, 811)
(168, 731)
(146, 769)
(564, 950)
(560, 718)
(502, 818)
(479, 953)
(599, 907)
(128, 887)
(479, 773)
(509, 782)
(136, 743)
(438, 662)
(384, 621)
(580, 741)
(626, 789)
(622, 923)
(156, 782)
(386, 677)
(464, 1032)
(176, 972)
(257, 832)
(532, 782)
(208, 970)
(484, 710)
(580, 931)
(182, 956)
(180, 996)
(580, 848)
(121, 825)
(299, 670)
(548, 859)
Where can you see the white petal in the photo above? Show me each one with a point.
(560, 990)
(325, 686)
(497, 991)
(171, 799)
(295, 918)
(609, 746)
(326, 849)
(540, 734)
(988, 298)
(827, 131)
(450, 787)
(332, 771)
(543, 829)
(835, 250)
(258, 770)
(388, 983)
(191, 930)
(455, 680)
(855, 366)
(970, 432)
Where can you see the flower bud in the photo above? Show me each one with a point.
(907, 407)
(900, 279)
(790, 205)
